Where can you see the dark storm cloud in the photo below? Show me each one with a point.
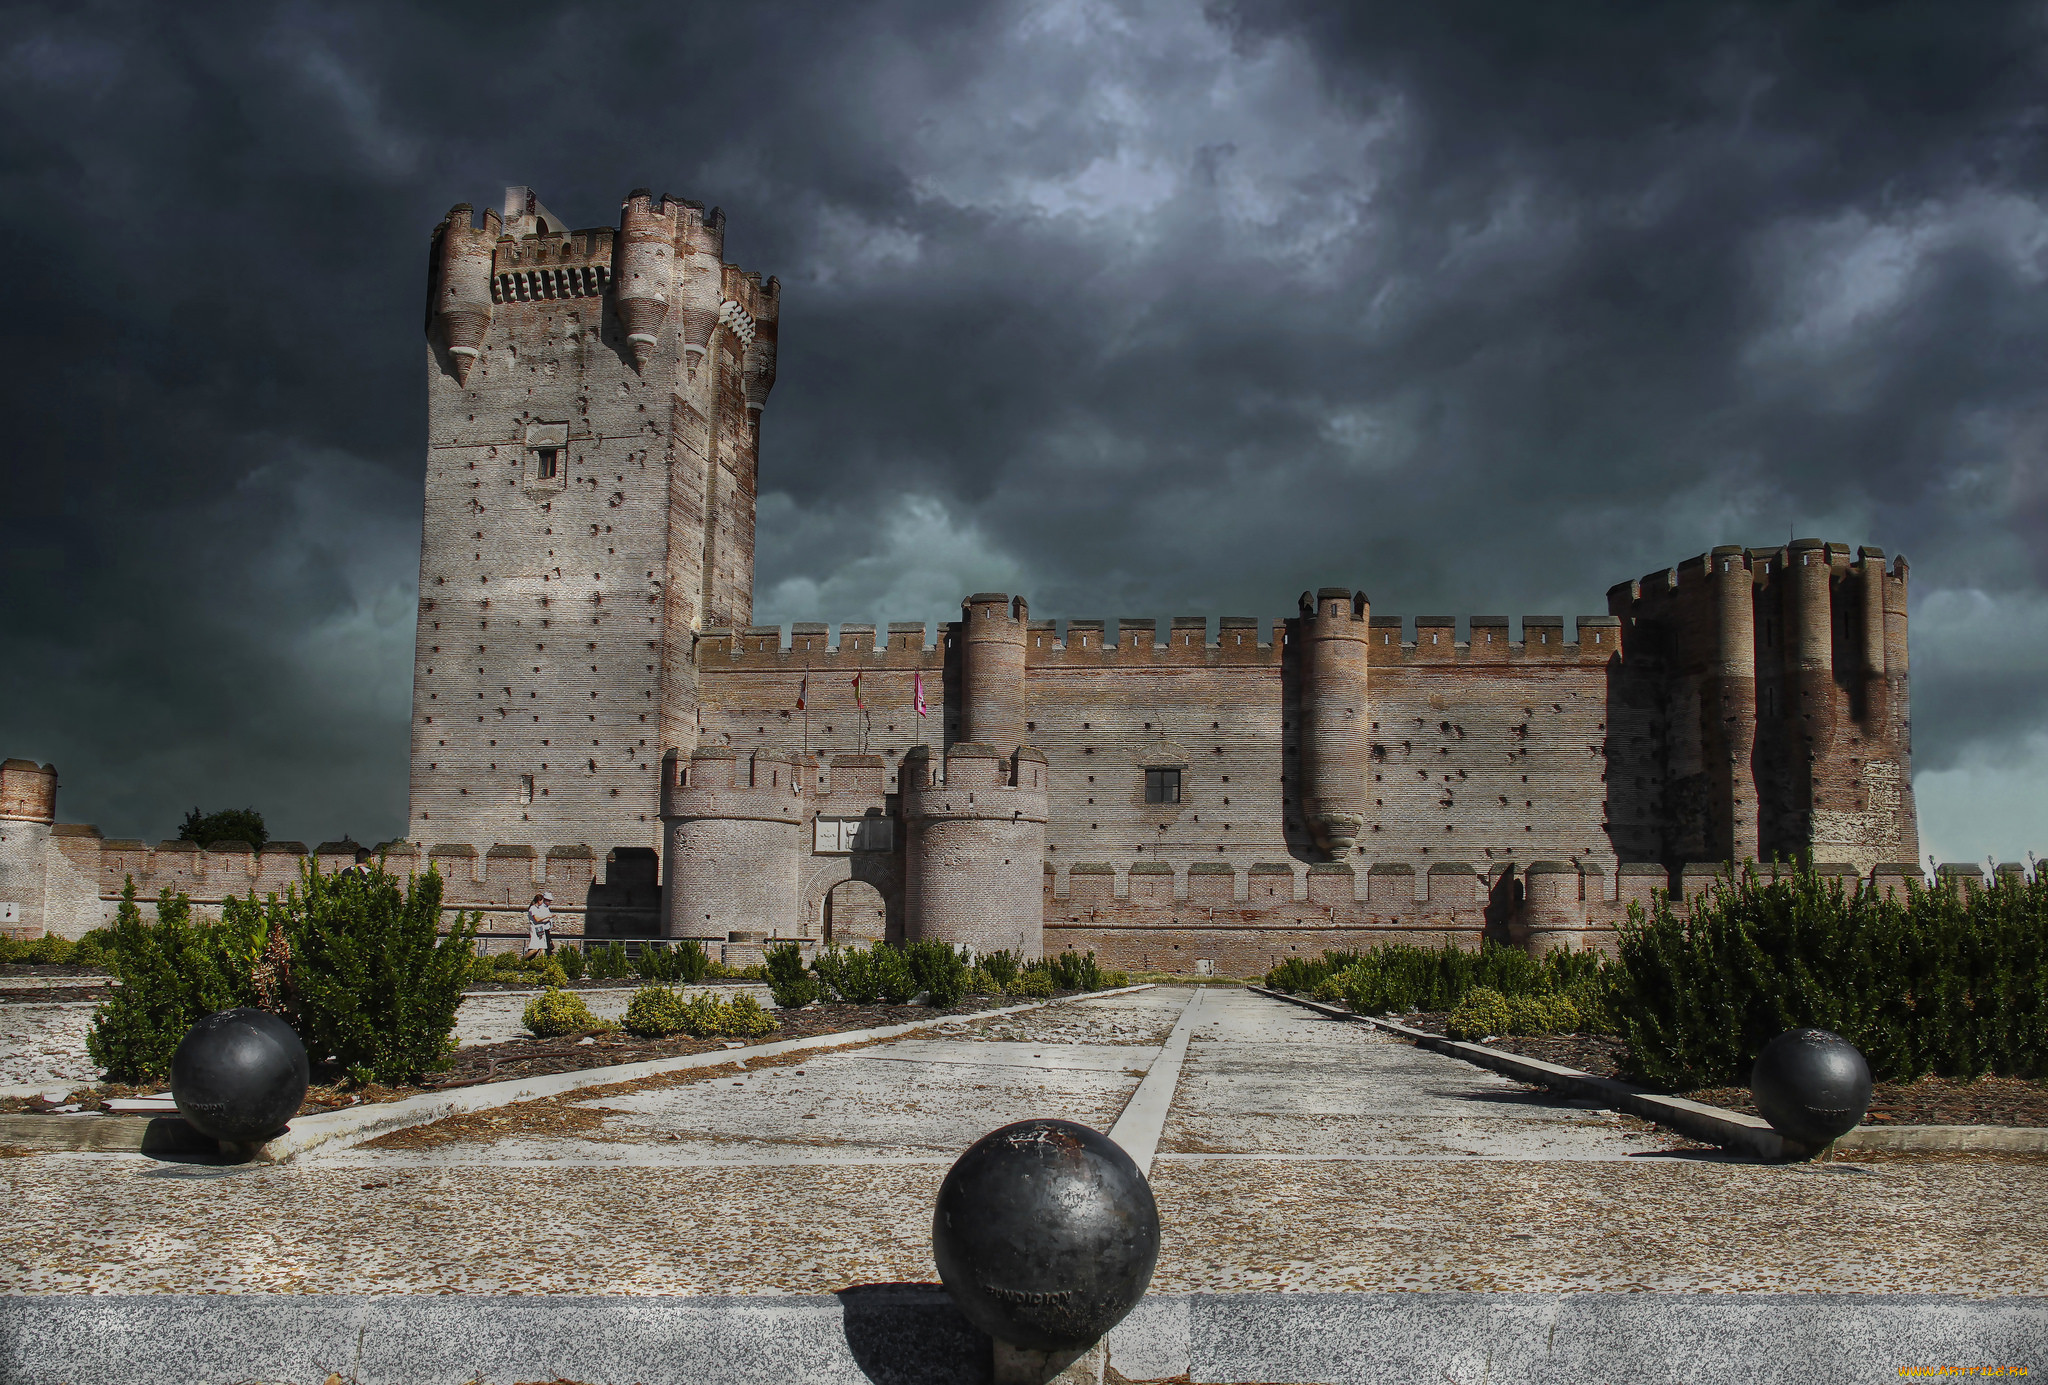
(1140, 309)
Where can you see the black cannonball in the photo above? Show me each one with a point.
(1811, 1085)
(238, 1076)
(1045, 1234)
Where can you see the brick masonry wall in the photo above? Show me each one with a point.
(554, 662)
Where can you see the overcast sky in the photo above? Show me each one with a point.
(1137, 308)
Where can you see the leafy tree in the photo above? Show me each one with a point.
(229, 825)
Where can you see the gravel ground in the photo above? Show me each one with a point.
(1331, 1158)
(45, 1044)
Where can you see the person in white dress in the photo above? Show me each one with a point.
(540, 924)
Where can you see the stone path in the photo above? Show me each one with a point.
(1297, 1153)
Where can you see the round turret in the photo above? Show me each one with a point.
(1336, 733)
(28, 791)
(974, 871)
(463, 260)
(1553, 913)
(732, 829)
(643, 270)
(992, 629)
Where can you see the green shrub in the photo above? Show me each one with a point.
(938, 971)
(167, 977)
(1942, 981)
(1301, 975)
(866, 975)
(571, 960)
(669, 963)
(1078, 971)
(979, 982)
(1034, 982)
(555, 1012)
(607, 962)
(95, 949)
(1546, 1012)
(1482, 1014)
(790, 984)
(374, 982)
(656, 1012)
(1002, 966)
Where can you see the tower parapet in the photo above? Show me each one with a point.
(733, 830)
(975, 870)
(1336, 733)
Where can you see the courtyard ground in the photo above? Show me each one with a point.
(1297, 1153)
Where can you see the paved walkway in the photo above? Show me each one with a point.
(1297, 1152)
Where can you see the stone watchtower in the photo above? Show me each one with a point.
(28, 806)
(594, 407)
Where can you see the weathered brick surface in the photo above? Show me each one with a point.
(557, 613)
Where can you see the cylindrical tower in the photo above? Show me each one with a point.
(28, 805)
(732, 832)
(1553, 913)
(975, 869)
(1336, 733)
(1810, 674)
(643, 270)
(992, 629)
(1871, 579)
(1731, 704)
(461, 273)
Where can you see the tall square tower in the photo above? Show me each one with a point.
(593, 418)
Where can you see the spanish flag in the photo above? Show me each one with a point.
(803, 690)
(856, 693)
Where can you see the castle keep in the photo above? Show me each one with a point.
(593, 709)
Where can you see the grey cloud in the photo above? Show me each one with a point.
(1140, 308)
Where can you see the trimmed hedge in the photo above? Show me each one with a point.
(555, 1012)
(656, 1012)
(1944, 980)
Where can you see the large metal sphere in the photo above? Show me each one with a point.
(1811, 1085)
(1045, 1234)
(239, 1075)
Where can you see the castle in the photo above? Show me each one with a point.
(588, 688)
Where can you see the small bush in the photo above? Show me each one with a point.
(607, 962)
(656, 1012)
(866, 975)
(790, 984)
(1301, 975)
(374, 980)
(938, 971)
(1482, 1014)
(571, 960)
(1034, 982)
(1002, 967)
(1545, 1013)
(980, 982)
(1077, 971)
(167, 977)
(555, 1012)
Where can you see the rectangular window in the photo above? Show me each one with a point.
(1162, 786)
(526, 788)
(547, 462)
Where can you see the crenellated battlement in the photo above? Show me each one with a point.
(1193, 640)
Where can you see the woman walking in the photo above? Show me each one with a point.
(540, 925)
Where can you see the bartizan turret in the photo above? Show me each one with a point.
(28, 807)
(1336, 732)
(460, 269)
(975, 867)
(644, 270)
(732, 828)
